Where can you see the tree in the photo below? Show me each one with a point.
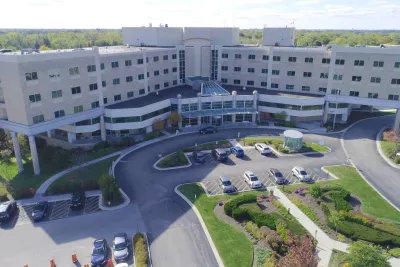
(5, 156)
(109, 188)
(366, 255)
(158, 125)
(316, 191)
(174, 118)
(281, 115)
(23, 143)
(301, 253)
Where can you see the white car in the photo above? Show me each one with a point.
(122, 265)
(251, 179)
(263, 148)
(300, 173)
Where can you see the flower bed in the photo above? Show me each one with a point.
(140, 250)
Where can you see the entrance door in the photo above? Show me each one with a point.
(216, 120)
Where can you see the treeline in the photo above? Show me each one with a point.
(60, 39)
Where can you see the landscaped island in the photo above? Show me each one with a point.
(176, 159)
(390, 144)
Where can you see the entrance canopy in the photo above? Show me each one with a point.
(218, 112)
(211, 88)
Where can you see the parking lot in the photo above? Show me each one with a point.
(57, 210)
(213, 188)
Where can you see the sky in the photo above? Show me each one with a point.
(302, 14)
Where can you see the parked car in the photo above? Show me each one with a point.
(251, 179)
(263, 149)
(226, 185)
(208, 129)
(121, 247)
(220, 154)
(39, 211)
(99, 253)
(122, 265)
(277, 175)
(301, 174)
(237, 151)
(7, 210)
(77, 200)
(198, 156)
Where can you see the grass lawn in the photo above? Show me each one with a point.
(235, 249)
(309, 147)
(337, 258)
(372, 203)
(389, 145)
(209, 146)
(173, 160)
(92, 173)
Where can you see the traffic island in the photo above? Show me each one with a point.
(389, 144)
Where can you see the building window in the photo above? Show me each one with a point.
(338, 77)
(156, 86)
(263, 84)
(165, 71)
(305, 88)
(142, 91)
(375, 80)
(265, 71)
(182, 68)
(237, 69)
(397, 65)
(307, 74)
(38, 118)
(354, 93)
(118, 97)
(308, 60)
(339, 62)
(224, 68)
(93, 87)
(140, 61)
(216, 105)
(105, 100)
(274, 85)
(356, 78)
(236, 81)
(359, 63)
(129, 79)
(129, 94)
(250, 70)
(252, 56)
(116, 81)
(240, 103)
(59, 113)
(372, 95)
(103, 84)
(206, 105)
(227, 104)
(173, 56)
(378, 64)
(292, 59)
(291, 73)
(155, 59)
(275, 72)
(335, 92)
(265, 57)
(174, 69)
(156, 72)
(174, 82)
(35, 98)
(95, 104)
(76, 90)
(250, 83)
(224, 80)
(322, 89)
(91, 68)
(78, 109)
(128, 62)
(114, 64)
(395, 81)
(393, 97)
(238, 56)
(56, 94)
(165, 57)
(289, 86)
(224, 55)
(323, 75)
(141, 77)
(166, 84)
(276, 58)
(326, 61)
(102, 66)
(74, 71)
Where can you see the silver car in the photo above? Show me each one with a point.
(301, 174)
(226, 185)
(121, 247)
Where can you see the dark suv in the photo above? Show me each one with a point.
(208, 129)
(198, 156)
(7, 210)
(220, 154)
(77, 200)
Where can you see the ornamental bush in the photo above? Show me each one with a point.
(234, 203)
(240, 214)
(101, 145)
(395, 252)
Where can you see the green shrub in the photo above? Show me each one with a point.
(316, 191)
(326, 210)
(253, 230)
(341, 238)
(101, 145)
(395, 252)
(263, 219)
(397, 160)
(127, 141)
(355, 218)
(341, 204)
(387, 227)
(274, 239)
(152, 135)
(109, 188)
(282, 210)
(305, 209)
(140, 247)
(260, 256)
(235, 202)
(240, 214)
(283, 232)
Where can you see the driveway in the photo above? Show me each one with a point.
(176, 236)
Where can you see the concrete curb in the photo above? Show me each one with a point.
(203, 225)
(126, 202)
(150, 262)
(331, 174)
(379, 148)
(172, 168)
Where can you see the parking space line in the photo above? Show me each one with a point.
(92, 205)
(60, 209)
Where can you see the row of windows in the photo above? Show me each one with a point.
(137, 118)
(288, 106)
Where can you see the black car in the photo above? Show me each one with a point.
(7, 210)
(77, 200)
(198, 156)
(220, 154)
(99, 253)
(208, 129)
(39, 211)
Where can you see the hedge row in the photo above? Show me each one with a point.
(236, 202)
(140, 247)
(340, 201)
(258, 217)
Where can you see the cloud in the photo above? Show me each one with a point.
(307, 2)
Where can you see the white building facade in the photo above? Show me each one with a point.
(108, 91)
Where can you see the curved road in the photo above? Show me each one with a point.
(176, 236)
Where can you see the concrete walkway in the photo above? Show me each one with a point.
(325, 243)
